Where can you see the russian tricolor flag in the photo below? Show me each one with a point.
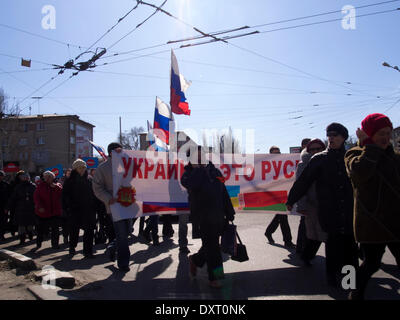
(100, 150)
(162, 118)
(178, 87)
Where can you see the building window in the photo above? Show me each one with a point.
(23, 156)
(40, 140)
(26, 127)
(4, 143)
(23, 141)
(72, 126)
(40, 126)
(72, 140)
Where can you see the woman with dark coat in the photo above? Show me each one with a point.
(308, 205)
(335, 202)
(374, 169)
(210, 208)
(21, 202)
(79, 203)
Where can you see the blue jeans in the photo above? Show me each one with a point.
(122, 230)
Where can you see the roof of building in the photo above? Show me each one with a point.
(47, 116)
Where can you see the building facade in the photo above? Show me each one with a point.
(42, 141)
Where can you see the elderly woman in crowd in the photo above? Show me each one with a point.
(374, 169)
(47, 198)
(21, 202)
(79, 203)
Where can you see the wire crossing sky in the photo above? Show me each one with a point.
(307, 64)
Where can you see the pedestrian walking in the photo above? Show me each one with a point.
(64, 221)
(374, 169)
(22, 204)
(48, 209)
(279, 220)
(4, 194)
(79, 203)
(301, 232)
(103, 189)
(335, 201)
(210, 209)
(150, 232)
(308, 205)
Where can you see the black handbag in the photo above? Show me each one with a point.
(228, 239)
(240, 251)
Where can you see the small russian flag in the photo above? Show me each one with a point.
(179, 85)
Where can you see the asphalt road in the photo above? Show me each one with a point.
(160, 272)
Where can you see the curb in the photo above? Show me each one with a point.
(20, 260)
(50, 293)
(63, 280)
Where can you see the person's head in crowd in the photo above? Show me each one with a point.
(22, 176)
(79, 166)
(68, 172)
(304, 143)
(92, 172)
(274, 150)
(48, 177)
(315, 145)
(37, 179)
(337, 134)
(379, 129)
(114, 146)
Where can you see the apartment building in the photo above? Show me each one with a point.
(41, 141)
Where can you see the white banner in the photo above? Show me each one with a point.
(147, 183)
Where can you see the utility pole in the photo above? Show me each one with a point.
(120, 131)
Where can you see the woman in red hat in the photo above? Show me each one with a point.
(374, 169)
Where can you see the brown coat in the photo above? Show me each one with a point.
(375, 175)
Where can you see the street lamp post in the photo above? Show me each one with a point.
(385, 64)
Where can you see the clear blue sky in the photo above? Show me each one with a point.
(261, 90)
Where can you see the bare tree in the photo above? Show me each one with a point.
(131, 139)
(5, 109)
(3, 103)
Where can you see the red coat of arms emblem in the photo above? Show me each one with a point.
(126, 196)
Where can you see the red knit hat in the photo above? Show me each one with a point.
(374, 122)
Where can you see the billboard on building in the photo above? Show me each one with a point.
(83, 147)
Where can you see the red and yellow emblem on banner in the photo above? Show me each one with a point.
(126, 196)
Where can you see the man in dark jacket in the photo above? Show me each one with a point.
(279, 220)
(4, 193)
(335, 201)
(210, 209)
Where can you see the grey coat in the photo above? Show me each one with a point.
(309, 204)
(103, 183)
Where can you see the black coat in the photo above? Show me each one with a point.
(334, 190)
(209, 201)
(22, 204)
(4, 194)
(78, 200)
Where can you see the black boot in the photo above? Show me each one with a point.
(22, 239)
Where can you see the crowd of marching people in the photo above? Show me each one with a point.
(348, 201)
